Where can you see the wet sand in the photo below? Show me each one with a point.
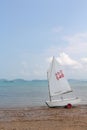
(44, 118)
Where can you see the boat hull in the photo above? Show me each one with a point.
(63, 102)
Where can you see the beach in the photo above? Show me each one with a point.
(44, 118)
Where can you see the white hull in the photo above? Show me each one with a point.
(63, 102)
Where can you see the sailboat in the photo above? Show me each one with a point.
(58, 86)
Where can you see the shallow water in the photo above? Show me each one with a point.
(34, 93)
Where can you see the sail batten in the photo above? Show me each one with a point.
(60, 93)
(57, 83)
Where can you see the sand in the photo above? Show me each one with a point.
(44, 118)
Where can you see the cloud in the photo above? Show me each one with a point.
(64, 59)
(76, 69)
(84, 60)
(79, 38)
(73, 45)
(76, 44)
(84, 64)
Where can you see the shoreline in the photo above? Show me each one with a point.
(44, 118)
(38, 106)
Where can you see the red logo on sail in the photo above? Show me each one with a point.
(59, 75)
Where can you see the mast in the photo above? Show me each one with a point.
(48, 80)
(49, 90)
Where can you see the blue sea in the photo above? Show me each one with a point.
(21, 93)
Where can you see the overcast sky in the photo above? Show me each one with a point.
(32, 31)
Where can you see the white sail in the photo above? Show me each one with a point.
(56, 78)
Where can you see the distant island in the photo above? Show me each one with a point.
(20, 80)
(38, 80)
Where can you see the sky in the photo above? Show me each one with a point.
(32, 31)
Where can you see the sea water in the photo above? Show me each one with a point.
(21, 93)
